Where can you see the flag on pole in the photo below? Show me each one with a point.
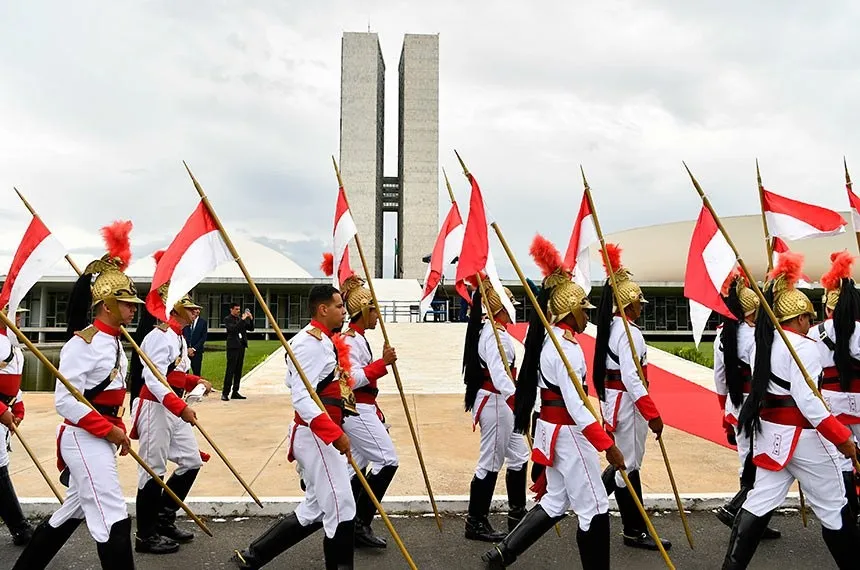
(344, 231)
(793, 220)
(197, 250)
(854, 200)
(475, 255)
(447, 247)
(583, 236)
(709, 262)
(38, 251)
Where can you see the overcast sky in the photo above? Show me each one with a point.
(101, 101)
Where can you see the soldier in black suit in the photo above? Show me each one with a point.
(237, 342)
(195, 337)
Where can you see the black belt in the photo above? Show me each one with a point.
(113, 411)
(552, 403)
(6, 399)
(178, 391)
(779, 402)
(368, 390)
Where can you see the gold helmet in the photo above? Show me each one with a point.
(110, 284)
(185, 303)
(748, 299)
(841, 264)
(628, 290)
(788, 302)
(493, 299)
(356, 296)
(565, 297)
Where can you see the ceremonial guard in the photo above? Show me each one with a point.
(490, 398)
(733, 348)
(317, 441)
(567, 437)
(94, 362)
(11, 414)
(628, 410)
(839, 348)
(162, 421)
(368, 436)
(794, 436)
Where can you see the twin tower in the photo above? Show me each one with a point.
(414, 193)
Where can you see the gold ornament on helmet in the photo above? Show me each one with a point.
(840, 268)
(110, 284)
(628, 290)
(356, 297)
(493, 299)
(565, 297)
(788, 302)
(185, 303)
(747, 298)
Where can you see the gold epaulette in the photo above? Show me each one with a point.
(569, 336)
(315, 332)
(348, 332)
(162, 327)
(88, 334)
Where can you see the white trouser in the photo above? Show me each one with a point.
(369, 439)
(816, 466)
(94, 490)
(163, 437)
(631, 431)
(5, 441)
(743, 442)
(573, 481)
(328, 494)
(499, 443)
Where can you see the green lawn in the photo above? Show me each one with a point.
(215, 358)
(687, 350)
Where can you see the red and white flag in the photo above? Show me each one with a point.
(854, 200)
(792, 220)
(709, 263)
(197, 250)
(344, 231)
(475, 255)
(447, 247)
(38, 252)
(583, 236)
(780, 247)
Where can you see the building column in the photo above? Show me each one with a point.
(268, 304)
(43, 311)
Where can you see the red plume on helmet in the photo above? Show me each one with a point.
(158, 255)
(117, 241)
(841, 264)
(327, 264)
(546, 255)
(613, 251)
(342, 348)
(789, 266)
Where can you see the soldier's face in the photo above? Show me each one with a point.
(333, 313)
(372, 319)
(126, 312)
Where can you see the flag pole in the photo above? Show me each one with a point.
(291, 355)
(80, 397)
(850, 186)
(393, 364)
(763, 303)
(157, 373)
(768, 241)
(612, 282)
(577, 384)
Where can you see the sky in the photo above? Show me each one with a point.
(102, 101)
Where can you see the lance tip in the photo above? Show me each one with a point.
(462, 164)
(582, 171)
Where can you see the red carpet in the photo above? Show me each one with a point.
(684, 405)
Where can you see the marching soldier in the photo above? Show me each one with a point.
(162, 421)
(11, 414)
(794, 436)
(839, 348)
(567, 438)
(94, 362)
(628, 410)
(733, 347)
(490, 398)
(317, 441)
(367, 433)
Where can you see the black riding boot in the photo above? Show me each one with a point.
(45, 544)
(279, 537)
(147, 539)
(594, 544)
(635, 532)
(365, 509)
(729, 511)
(533, 525)
(340, 550)
(842, 543)
(115, 554)
(851, 493)
(746, 534)
(181, 485)
(515, 483)
(10, 510)
(478, 525)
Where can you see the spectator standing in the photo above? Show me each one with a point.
(237, 342)
(195, 337)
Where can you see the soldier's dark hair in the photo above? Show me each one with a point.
(601, 346)
(729, 342)
(845, 316)
(749, 419)
(473, 375)
(320, 295)
(234, 304)
(527, 381)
